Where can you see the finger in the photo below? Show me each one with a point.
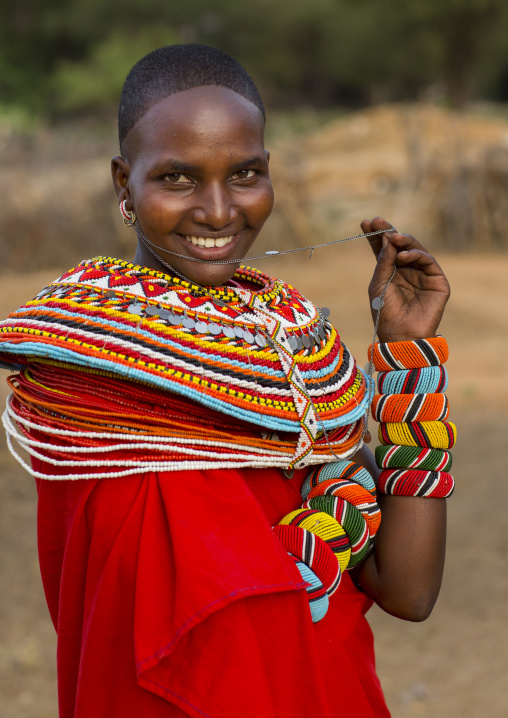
(419, 259)
(375, 225)
(386, 259)
(405, 242)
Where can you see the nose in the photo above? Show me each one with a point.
(216, 207)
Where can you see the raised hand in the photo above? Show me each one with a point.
(415, 299)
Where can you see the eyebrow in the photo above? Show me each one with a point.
(174, 165)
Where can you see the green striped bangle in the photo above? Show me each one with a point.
(401, 457)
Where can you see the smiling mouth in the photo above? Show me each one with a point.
(209, 241)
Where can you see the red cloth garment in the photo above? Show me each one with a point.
(172, 596)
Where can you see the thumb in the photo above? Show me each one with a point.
(384, 268)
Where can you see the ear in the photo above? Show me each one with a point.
(120, 170)
(267, 153)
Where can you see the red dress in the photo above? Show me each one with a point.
(172, 596)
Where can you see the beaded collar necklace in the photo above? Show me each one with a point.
(295, 344)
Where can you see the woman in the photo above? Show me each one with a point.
(171, 408)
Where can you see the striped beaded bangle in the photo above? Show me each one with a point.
(396, 408)
(425, 380)
(350, 519)
(408, 482)
(313, 551)
(412, 457)
(324, 526)
(427, 434)
(354, 494)
(316, 593)
(409, 354)
(341, 469)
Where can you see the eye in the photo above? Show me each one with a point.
(177, 178)
(244, 175)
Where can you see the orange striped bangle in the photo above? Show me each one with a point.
(413, 354)
(396, 408)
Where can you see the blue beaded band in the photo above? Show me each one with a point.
(318, 599)
(426, 380)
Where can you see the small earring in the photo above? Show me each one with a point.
(129, 218)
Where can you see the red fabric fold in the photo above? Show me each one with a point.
(172, 596)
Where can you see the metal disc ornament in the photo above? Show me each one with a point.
(135, 309)
(201, 327)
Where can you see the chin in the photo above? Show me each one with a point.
(211, 276)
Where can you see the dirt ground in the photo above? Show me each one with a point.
(453, 665)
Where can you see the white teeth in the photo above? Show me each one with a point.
(209, 241)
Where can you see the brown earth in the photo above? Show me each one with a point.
(452, 666)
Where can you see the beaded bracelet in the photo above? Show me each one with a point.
(316, 593)
(427, 434)
(324, 526)
(341, 469)
(313, 551)
(411, 354)
(408, 482)
(389, 456)
(425, 380)
(412, 408)
(396, 408)
(350, 519)
(354, 494)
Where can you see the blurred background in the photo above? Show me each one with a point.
(395, 108)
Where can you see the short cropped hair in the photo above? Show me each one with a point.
(176, 68)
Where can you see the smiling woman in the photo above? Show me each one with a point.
(191, 192)
(176, 410)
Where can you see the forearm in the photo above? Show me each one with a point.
(403, 575)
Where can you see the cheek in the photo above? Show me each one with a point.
(262, 205)
(157, 209)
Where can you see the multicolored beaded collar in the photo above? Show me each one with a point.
(259, 351)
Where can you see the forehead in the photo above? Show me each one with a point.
(205, 117)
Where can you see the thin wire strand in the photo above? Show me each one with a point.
(270, 253)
